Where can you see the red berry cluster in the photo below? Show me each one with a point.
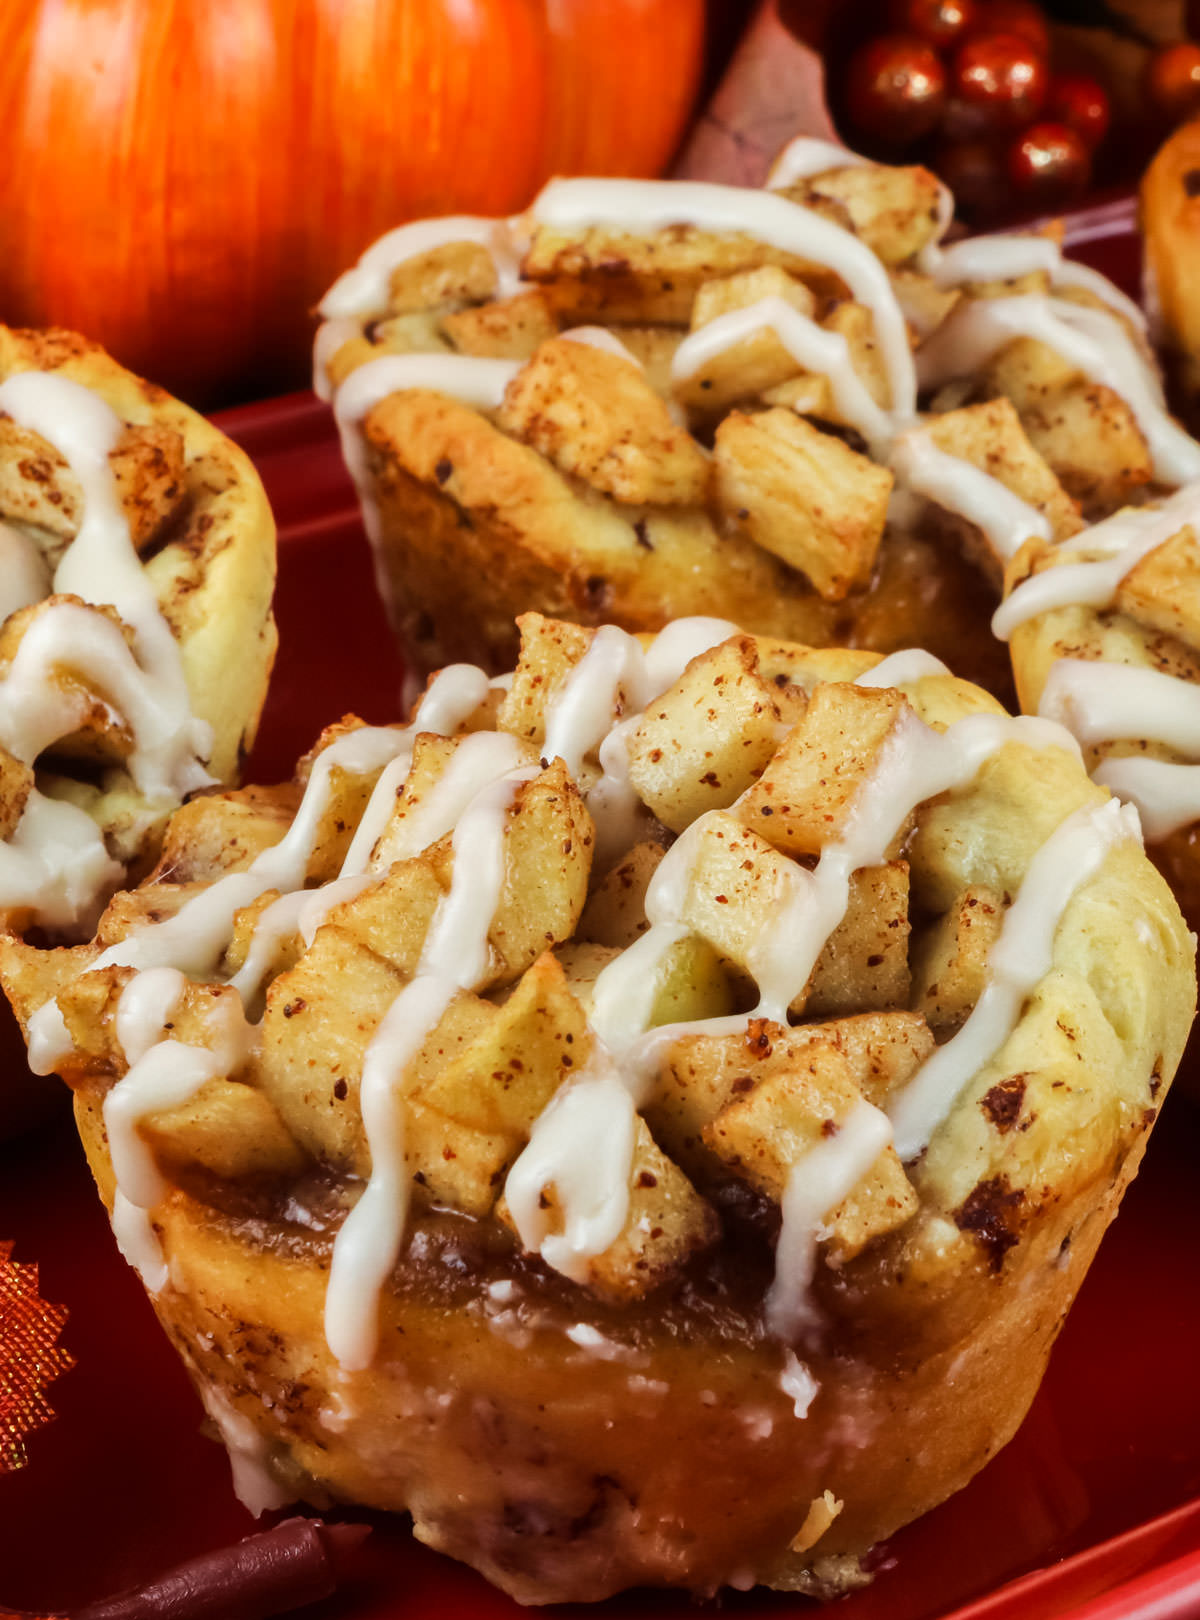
(970, 80)
(1171, 82)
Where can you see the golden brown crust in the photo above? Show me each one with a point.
(668, 1465)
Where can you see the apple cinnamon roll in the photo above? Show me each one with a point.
(647, 1116)
(794, 406)
(136, 636)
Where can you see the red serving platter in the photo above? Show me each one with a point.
(1092, 1512)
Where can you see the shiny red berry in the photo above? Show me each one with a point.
(1001, 78)
(895, 89)
(1172, 82)
(938, 22)
(1049, 164)
(1079, 102)
(1018, 17)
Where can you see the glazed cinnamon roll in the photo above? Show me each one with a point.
(135, 624)
(794, 405)
(645, 399)
(647, 1116)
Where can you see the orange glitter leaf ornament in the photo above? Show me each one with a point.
(30, 1359)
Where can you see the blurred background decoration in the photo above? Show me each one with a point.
(1020, 106)
(182, 179)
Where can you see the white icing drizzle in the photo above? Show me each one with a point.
(456, 956)
(1092, 340)
(812, 347)
(582, 1144)
(162, 1074)
(1167, 796)
(24, 572)
(301, 912)
(1121, 541)
(625, 991)
(47, 1038)
(277, 923)
(452, 697)
(100, 565)
(369, 1239)
(914, 764)
(475, 381)
(674, 647)
(806, 156)
(56, 864)
(995, 258)
(582, 711)
(1005, 520)
(616, 676)
(1113, 702)
(581, 1147)
(1004, 258)
(1109, 702)
(921, 466)
(1020, 958)
(255, 1487)
(144, 1009)
(383, 801)
(457, 946)
(798, 1384)
(362, 293)
(1073, 273)
(613, 803)
(196, 937)
(817, 1183)
(318, 903)
(38, 709)
(479, 760)
(599, 337)
(642, 206)
(902, 668)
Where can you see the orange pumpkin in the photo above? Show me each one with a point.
(181, 179)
